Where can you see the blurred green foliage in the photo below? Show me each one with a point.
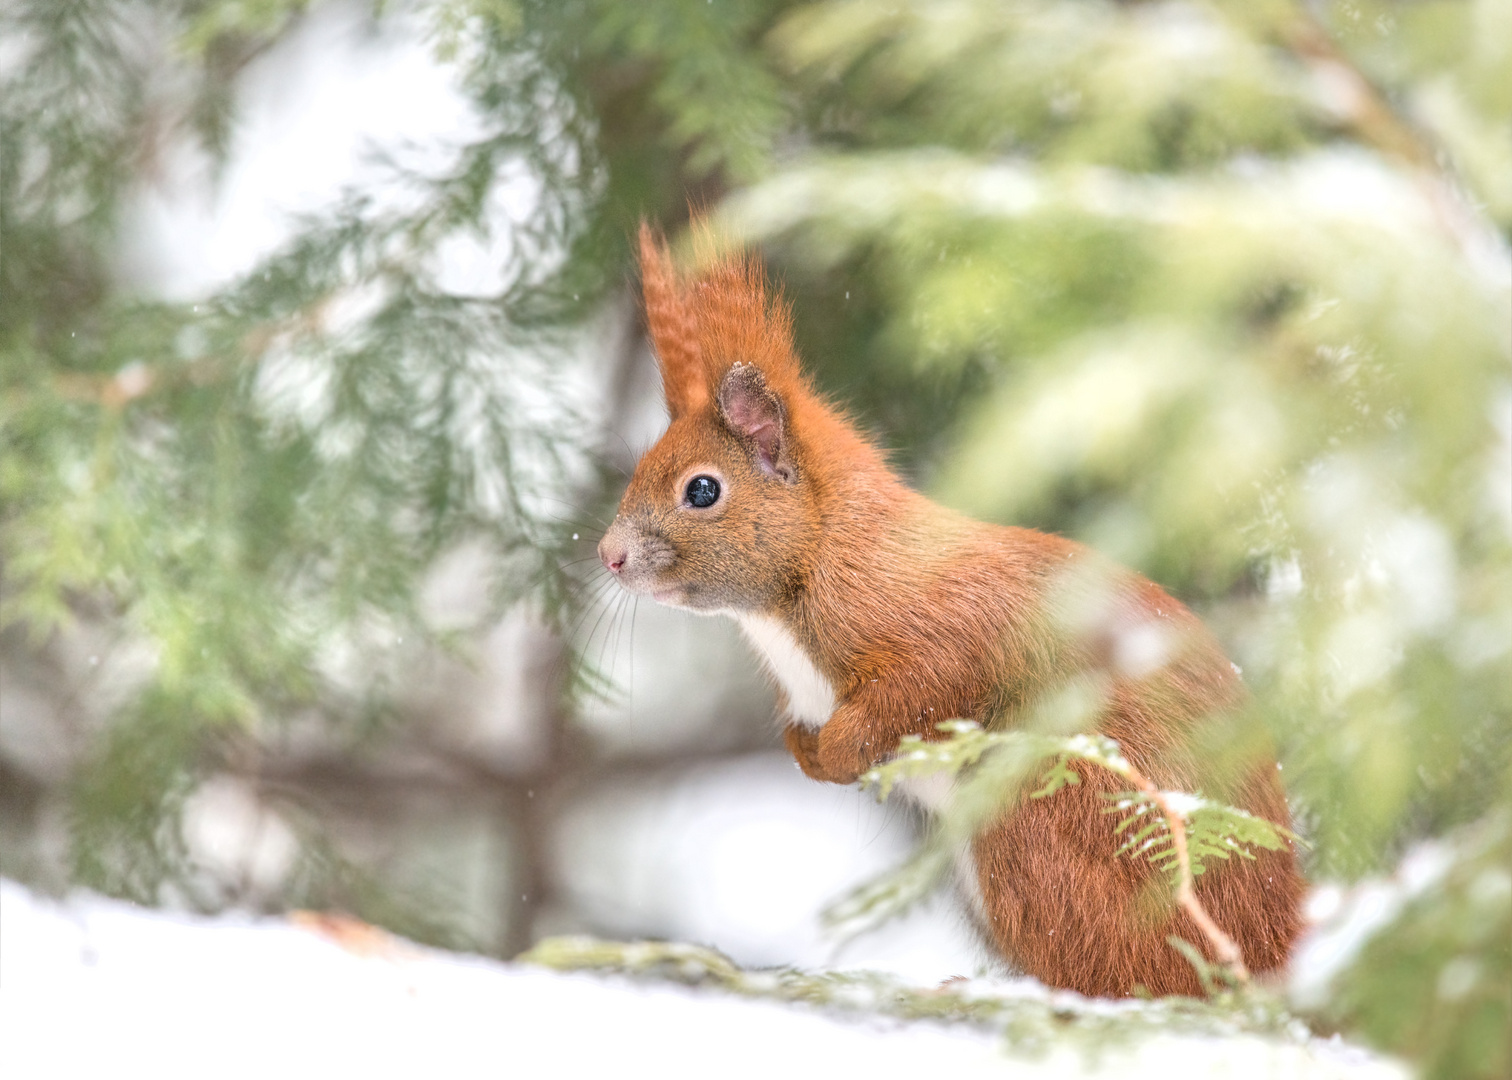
(1432, 982)
(1218, 287)
(255, 485)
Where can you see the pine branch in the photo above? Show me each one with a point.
(1185, 830)
(1224, 947)
(1031, 1023)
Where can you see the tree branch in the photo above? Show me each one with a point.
(1224, 947)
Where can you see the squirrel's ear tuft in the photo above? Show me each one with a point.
(717, 313)
(751, 410)
(674, 334)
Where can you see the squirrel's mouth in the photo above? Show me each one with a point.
(687, 597)
(672, 597)
(643, 582)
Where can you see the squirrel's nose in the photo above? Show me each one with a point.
(613, 554)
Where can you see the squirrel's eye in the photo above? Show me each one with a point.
(702, 491)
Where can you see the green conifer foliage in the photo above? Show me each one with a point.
(254, 486)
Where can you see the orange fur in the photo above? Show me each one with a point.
(913, 615)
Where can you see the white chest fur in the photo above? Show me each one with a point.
(811, 702)
(811, 698)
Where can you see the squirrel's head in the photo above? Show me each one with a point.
(720, 514)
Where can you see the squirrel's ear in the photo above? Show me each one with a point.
(753, 412)
(670, 323)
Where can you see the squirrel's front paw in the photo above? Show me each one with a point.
(837, 753)
(803, 744)
(845, 750)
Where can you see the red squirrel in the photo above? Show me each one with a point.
(879, 613)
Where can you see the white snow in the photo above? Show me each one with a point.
(1184, 803)
(1345, 921)
(96, 987)
(315, 115)
(743, 855)
(233, 833)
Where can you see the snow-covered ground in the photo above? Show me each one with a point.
(93, 987)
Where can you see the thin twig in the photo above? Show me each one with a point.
(1224, 947)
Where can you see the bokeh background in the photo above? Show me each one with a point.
(322, 372)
